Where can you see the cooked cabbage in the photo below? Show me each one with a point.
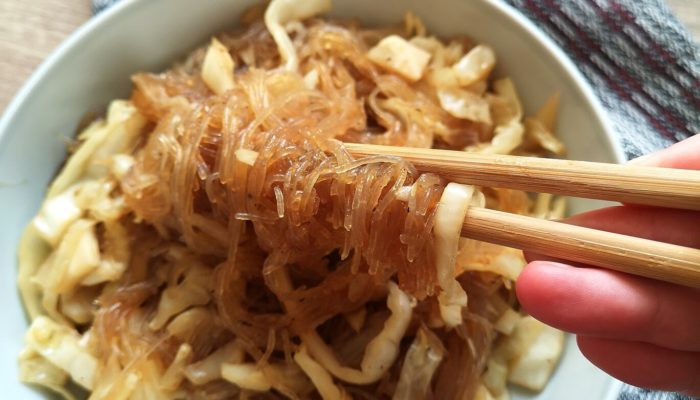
(62, 347)
(448, 224)
(475, 65)
(400, 56)
(217, 68)
(421, 361)
(56, 215)
(281, 12)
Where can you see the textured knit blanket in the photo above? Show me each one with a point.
(643, 65)
(641, 61)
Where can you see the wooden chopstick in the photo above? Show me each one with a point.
(632, 255)
(663, 187)
(625, 183)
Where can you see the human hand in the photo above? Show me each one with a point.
(641, 331)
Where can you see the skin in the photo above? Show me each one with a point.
(641, 331)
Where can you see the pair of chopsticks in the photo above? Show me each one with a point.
(661, 187)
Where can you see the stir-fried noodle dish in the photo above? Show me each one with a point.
(212, 238)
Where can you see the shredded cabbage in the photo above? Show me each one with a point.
(102, 139)
(421, 362)
(540, 349)
(209, 369)
(319, 376)
(217, 68)
(475, 65)
(188, 285)
(37, 370)
(400, 56)
(56, 215)
(281, 12)
(448, 224)
(62, 347)
(465, 104)
(381, 351)
(76, 256)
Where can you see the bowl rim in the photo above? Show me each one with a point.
(41, 72)
(113, 14)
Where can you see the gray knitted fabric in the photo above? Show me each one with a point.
(643, 65)
(634, 393)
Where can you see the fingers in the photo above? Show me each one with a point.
(679, 227)
(641, 331)
(645, 365)
(683, 155)
(608, 304)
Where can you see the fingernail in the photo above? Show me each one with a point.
(642, 160)
(549, 264)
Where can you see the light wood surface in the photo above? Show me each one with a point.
(660, 261)
(688, 11)
(30, 29)
(673, 188)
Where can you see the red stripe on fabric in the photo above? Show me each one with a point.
(670, 60)
(583, 55)
(655, 64)
(673, 119)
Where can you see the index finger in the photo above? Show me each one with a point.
(602, 303)
(682, 155)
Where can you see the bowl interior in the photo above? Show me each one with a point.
(94, 65)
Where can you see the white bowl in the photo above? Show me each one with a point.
(93, 66)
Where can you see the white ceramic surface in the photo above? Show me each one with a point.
(93, 66)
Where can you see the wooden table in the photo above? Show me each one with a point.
(30, 29)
